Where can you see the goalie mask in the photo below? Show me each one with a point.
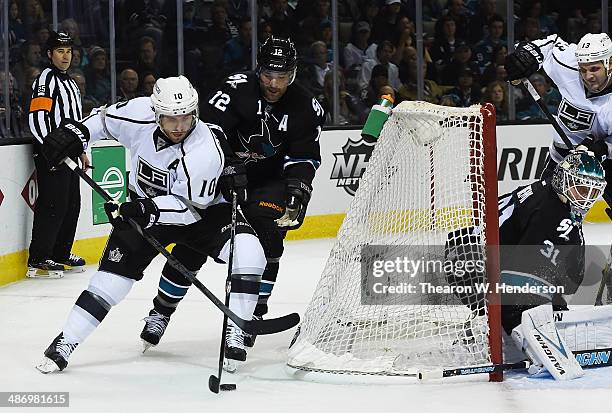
(580, 179)
(175, 102)
(594, 48)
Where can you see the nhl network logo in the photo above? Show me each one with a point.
(350, 165)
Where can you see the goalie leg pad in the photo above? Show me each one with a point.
(586, 328)
(539, 339)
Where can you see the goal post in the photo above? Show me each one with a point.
(428, 196)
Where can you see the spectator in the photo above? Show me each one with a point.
(484, 49)
(496, 93)
(379, 78)
(369, 11)
(496, 70)
(281, 19)
(408, 91)
(445, 42)
(550, 96)
(457, 11)
(237, 51)
(77, 58)
(16, 26)
(312, 75)
(351, 109)
(98, 76)
(220, 30)
(40, 33)
(310, 26)
(545, 22)
(16, 110)
(128, 84)
(30, 58)
(479, 22)
(71, 28)
(34, 15)
(265, 31)
(404, 37)
(530, 30)
(147, 82)
(359, 49)
(29, 76)
(466, 91)
(237, 10)
(384, 52)
(432, 10)
(88, 101)
(147, 57)
(450, 100)
(462, 59)
(388, 17)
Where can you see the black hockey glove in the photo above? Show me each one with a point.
(598, 147)
(143, 211)
(67, 141)
(524, 62)
(298, 196)
(234, 178)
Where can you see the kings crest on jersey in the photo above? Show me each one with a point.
(181, 178)
(267, 135)
(580, 112)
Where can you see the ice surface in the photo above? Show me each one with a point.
(108, 373)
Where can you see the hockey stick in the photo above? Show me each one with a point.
(588, 359)
(214, 382)
(270, 326)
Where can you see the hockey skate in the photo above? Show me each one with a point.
(234, 348)
(155, 326)
(73, 263)
(56, 355)
(45, 269)
(249, 339)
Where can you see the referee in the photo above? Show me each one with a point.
(55, 97)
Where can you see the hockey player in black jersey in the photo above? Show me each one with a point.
(272, 126)
(540, 233)
(176, 164)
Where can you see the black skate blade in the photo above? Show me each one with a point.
(213, 384)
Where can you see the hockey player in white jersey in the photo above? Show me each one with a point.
(176, 165)
(583, 74)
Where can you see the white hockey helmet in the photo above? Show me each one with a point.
(174, 96)
(594, 47)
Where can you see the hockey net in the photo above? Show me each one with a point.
(431, 175)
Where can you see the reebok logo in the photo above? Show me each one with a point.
(272, 205)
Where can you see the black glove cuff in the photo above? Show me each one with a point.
(299, 189)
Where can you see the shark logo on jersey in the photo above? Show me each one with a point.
(258, 145)
(575, 119)
(153, 181)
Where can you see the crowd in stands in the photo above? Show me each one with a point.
(465, 47)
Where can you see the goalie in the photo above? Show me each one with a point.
(542, 246)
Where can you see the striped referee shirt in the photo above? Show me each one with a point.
(55, 97)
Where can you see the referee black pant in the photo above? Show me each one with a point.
(56, 212)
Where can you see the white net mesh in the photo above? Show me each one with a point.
(424, 180)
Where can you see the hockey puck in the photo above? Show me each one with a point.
(228, 386)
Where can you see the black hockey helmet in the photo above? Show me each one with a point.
(277, 54)
(58, 39)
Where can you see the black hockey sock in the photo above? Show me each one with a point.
(268, 280)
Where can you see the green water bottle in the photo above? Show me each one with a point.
(377, 118)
